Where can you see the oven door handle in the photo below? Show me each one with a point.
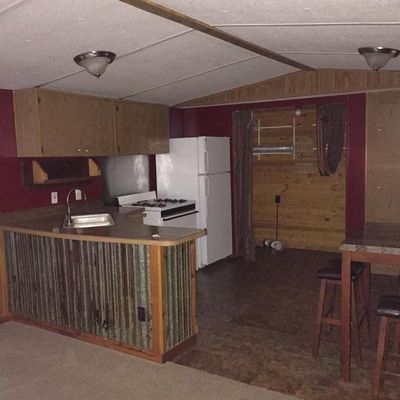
(179, 216)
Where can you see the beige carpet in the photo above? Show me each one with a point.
(40, 365)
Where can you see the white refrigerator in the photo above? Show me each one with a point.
(199, 169)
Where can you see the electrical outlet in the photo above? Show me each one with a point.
(141, 314)
(54, 198)
(78, 194)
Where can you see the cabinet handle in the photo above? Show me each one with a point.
(79, 150)
(86, 151)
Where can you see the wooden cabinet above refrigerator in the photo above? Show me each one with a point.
(141, 128)
(57, 124)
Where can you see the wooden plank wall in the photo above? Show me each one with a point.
(312, 210)
(303, 84)
(382, 192)
(383, 161)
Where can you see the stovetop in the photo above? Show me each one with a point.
(159, 203)
(151, 203)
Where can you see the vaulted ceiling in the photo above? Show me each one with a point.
(165, 62)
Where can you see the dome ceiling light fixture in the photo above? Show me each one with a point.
(95, 62)
(378, 57)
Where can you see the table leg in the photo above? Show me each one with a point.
(345, 342)
(368, 297)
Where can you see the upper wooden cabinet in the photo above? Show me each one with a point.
(141, 128)
(56, 124)
(50, 123)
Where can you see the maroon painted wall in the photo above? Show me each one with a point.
(217, 121)
(356, 151)
(13, 195)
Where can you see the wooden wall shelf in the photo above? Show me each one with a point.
(270, 149)
(56, 171)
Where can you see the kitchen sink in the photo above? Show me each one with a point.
(90, 221)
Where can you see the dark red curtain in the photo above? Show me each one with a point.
(242, 175)
(331, 129)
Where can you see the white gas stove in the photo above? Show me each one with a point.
(162, 212)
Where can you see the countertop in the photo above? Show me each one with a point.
(381, 238)
(124, 231)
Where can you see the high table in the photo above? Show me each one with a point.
(378, 243)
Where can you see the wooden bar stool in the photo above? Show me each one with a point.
(331, 277)
(388, 309)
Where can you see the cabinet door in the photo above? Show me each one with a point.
(27, 128)
(74, 125)
(130, 128)
(158, 133)
(99, 138)
(141, 128)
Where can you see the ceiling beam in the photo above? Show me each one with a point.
(172, 15)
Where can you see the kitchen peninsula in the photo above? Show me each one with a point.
(130, 287)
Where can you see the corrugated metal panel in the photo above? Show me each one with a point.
(177, 294)
(89, 286)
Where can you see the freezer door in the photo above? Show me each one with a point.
(215, 215)
(177, 171)
(214, 155)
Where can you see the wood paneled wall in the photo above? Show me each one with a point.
(382, 189)
(383, 159)
(303, 84)
(312, 209)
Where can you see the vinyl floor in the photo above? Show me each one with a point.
(256, 324)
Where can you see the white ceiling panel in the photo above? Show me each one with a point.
(337, 61)
(286, 11)
(8, 5)
(40, 39)
(244, 73)
(319, 39)
(183, 56)
(157, 57)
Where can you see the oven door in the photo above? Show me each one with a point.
(188, 220)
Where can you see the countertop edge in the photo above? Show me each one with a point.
(105, 239)
(48, 222)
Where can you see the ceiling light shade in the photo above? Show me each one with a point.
(298, 111)
(95, 62)
(378, 57)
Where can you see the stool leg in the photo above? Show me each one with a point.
(396, 345)
(365, 293)
(367, 288)
(332, 308)
(320, 312)
(355, 321)
(363, 308)
(380, 358)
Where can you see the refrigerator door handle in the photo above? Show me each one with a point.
(207, 180)
(207, 193)
(206, 161)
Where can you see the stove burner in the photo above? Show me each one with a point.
(152, 203)
(174, 200)
(159, 203)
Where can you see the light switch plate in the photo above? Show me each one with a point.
(54, 197)
(78, 194)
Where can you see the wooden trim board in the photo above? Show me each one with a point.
(172, 15)
(156, 264)
(300, 84)
(97, 340)
(4, 312)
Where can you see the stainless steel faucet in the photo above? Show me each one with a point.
(68, 219)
